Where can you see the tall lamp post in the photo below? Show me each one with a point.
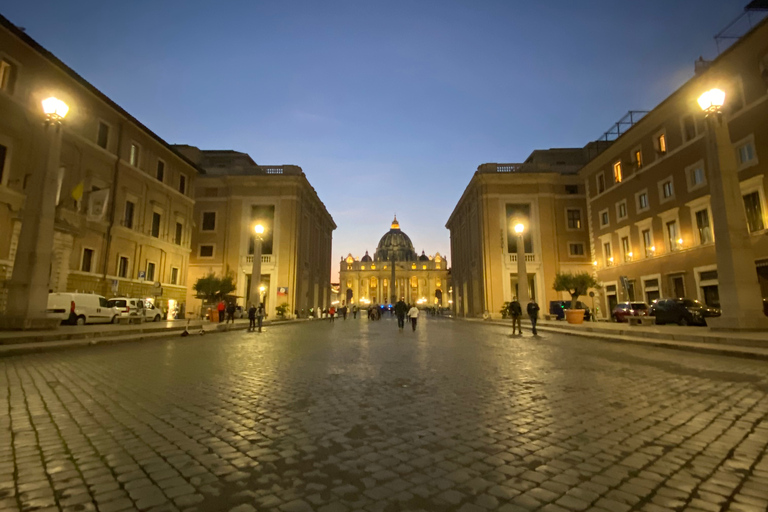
(28, 288)
(255, 292)
(738, 288)
(522, 273)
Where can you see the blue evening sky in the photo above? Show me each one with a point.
(388, 106)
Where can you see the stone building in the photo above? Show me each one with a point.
(395, 271)
(124, 212)
(648, 194)
(231, 197)
(546, 193)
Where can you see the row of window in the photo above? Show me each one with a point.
(673, 241)
(745, 155)
(135, 155)
(88, 263)
(128, 221)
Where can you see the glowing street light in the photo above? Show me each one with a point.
(522, 272)
(257, 290)
(738, 288)
(30, 280)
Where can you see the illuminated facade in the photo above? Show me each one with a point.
(123, 217)
(648, 194)
(394, 271)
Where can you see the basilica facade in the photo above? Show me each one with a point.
(395, 271)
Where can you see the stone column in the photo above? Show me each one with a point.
(738, 286)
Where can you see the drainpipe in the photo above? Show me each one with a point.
(113, 208)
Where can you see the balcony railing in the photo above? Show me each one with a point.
(529, 258)
(265, 258)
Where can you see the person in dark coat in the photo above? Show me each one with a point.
(401, 309)
(260, 314)
(252, 318)
(533, 313)
(515, 311)
(231, 312)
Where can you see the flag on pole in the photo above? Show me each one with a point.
(77, 192)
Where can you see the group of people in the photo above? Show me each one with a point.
(255, 314)
(516, 312)
(402, 310)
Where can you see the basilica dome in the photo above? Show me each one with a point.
(395, 244)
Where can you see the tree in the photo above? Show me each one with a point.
(575, 284)
(212, 288)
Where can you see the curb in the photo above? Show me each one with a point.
(688, 346)
(43, 346)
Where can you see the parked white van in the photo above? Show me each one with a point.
(80, 308)
(128, 307)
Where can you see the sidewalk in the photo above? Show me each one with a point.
(66, 336)
(697, 339)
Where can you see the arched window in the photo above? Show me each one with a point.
(414, 282)
(413, 266)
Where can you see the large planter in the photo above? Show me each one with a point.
(574, 316)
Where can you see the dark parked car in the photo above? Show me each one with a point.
(682, 312)
(557, 308)
(625, 309)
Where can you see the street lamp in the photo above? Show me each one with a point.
(29, 284)
(739, 291)
(522, 273)
(256, 268)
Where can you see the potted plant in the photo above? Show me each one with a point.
(576, 285)
(282, 309)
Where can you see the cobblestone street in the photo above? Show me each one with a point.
(354, 415)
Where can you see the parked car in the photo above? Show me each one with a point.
(127, 307)
(706, 311)
(557, 308)
(152, 313)
(625, 309)
(80, 308)
(681, 312)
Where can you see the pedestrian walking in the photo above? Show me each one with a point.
(344, 312)
(221, 308)
(413, 314)
(260, 314)
(401, 309)
(332, 314)
(354, 311)
(515, 311)
(252, 318)
(231, 312)
(533, 313)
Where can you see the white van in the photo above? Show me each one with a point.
(128, 307)
(81, 308)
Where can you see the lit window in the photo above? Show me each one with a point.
(374, 282)
(639, 158)
(423, 267)
(413, 266)
(661, 144)
(373, 267)
(617, 172)
(414, 282)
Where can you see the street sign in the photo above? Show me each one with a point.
(157, 289)
(142, 274)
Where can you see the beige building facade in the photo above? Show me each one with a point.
(395, 271)
(548, 195)
(123, 221)
(234, 194)
(648, 194)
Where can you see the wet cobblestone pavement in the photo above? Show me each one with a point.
(358, 416)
